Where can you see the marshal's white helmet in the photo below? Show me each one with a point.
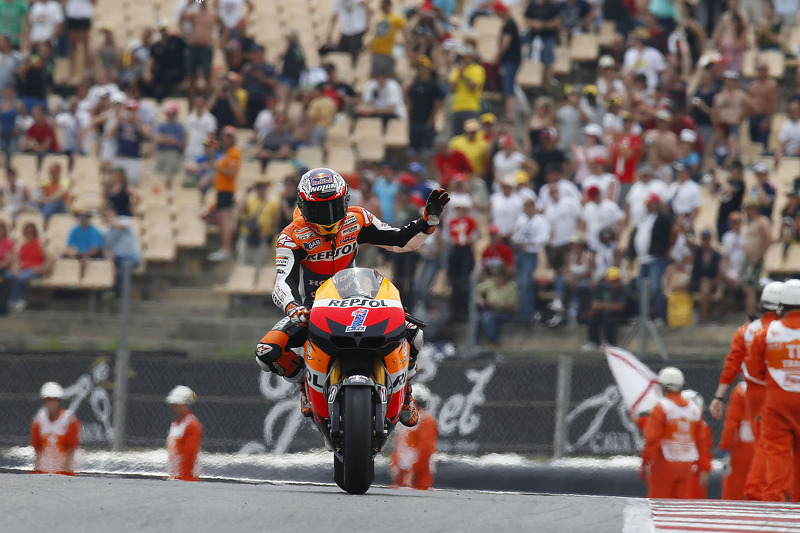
(770, 296)
(181, 395)
(671, 378)
(51, 389)
(790, 293)
(422, 395)
(694, 397)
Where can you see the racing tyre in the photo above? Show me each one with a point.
(358, 468)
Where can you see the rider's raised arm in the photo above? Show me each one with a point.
(377, 232)
(287, 268)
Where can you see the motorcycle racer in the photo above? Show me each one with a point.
(323, 240)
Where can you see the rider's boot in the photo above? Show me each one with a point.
(305, 405)
(409, 415)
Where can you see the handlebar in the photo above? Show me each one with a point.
(416, 321)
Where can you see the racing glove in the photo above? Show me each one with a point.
(437, 199)
(297, 313)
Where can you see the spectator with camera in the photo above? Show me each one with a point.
(224, 105)
(466, 84)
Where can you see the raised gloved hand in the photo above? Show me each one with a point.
(437, 199)
(297, 313)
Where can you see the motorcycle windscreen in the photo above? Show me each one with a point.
(357, 282)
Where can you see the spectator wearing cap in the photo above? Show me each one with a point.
(227, 172)
(531, 234)
(652, 240)
(555, 178)
(170, 142)
(509, 56)
(382, 98)
(505, 206)
(224, 105)
(757, 240)
(563, 215)
(570, 120)
(706, 274)
(466, 83)
(789, 136)
(608, 80)
(489, 128)
(733, 257)
(598, 212)
(167, 65)
(591, 106)
(129, 133)
(449, 162)
(573, 281)
(600, 177)
(462, 231)
(687, 155)
(626, 151)
(764, 99)
(497, 298)
(388, 26)
(643, 59)
(472, 145)
(85, 242)
(607, 311)
(547, 157)
(763, 190)
(544, 22)
(120, 243)
(200, 124)
(702, 102)
(40, 137)
(685, 195)
(353, 19)
(424, 95)
(661, 146)
(497, 254)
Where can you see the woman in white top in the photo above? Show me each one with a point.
(78, 14)
(14, 195)
(44, 20)
(582, 155)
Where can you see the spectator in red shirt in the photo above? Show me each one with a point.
(497, 253)
(625, 154)
(6, 247)
(463, 232)
(31, 262)
(449, 162)
(40, 137)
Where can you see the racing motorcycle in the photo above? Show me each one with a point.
(356, 363)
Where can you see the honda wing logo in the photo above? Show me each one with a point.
(357, 325)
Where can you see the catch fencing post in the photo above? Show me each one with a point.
(472, 317)
(123, 362)
(563, 397)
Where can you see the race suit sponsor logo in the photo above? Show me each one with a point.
(304, 234)
(329, 254)
(358, 302)
(281, 261)
(286, 241)
(310, 245)
(349, 238)
(351, 228)
(359, 317)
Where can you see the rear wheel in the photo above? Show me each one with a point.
(358, 468)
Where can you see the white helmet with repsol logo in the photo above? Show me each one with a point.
(323, 197)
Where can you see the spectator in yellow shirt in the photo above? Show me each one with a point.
(466, 84)
(320, 114)
(387, 27)
(473, 146)
(227, 170)
(256, 223)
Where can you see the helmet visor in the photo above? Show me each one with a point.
(324, 213)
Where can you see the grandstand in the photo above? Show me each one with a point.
(170, 220)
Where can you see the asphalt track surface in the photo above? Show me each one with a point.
(51, 503)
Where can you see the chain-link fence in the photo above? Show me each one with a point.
(557, 406)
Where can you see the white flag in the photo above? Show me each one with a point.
(637, 384)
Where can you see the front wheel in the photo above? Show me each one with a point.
(358, 468)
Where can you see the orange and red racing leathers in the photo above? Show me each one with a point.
(305, 260)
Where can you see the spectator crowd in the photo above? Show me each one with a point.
(565, 199)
